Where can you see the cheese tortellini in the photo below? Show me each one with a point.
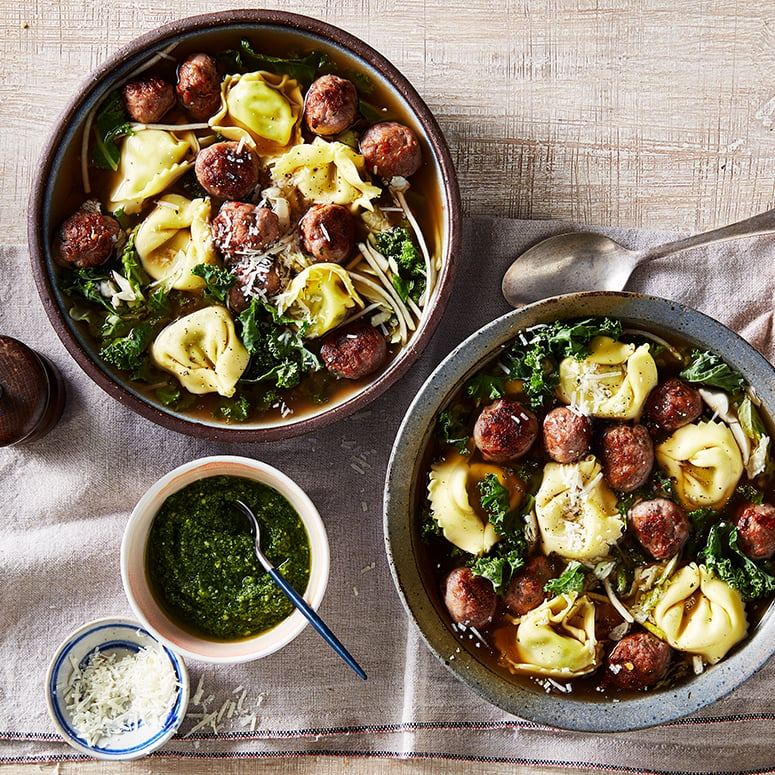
(450, 505)
(705, 463)
(173, 239)
(576, 511)
(203, 351)
(321, 296)
(612, 382)
(261, 108)
(701, 614)
(151, 161)
(556, 640)
(327, 172)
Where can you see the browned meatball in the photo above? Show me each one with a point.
(199, 86)
(607, 618)
(505, 431)
(390, 149)
(147, 99)
(756, 530)
(638, 661)
(256, 278)
(330, 106)
(328, 232)
(526, 589)
(241, 228)
(567, 434)
(86, 239)
(354, 351)
(660, 526)
(470, 600)
(227, 170)
(672, 404)
(627, 455)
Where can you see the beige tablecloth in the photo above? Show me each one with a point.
(66, 498)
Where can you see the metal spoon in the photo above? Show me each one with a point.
(586, 261)
(293, 595)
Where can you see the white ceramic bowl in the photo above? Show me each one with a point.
(135, 577)
(122, 637)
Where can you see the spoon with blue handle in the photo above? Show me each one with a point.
(293, 595)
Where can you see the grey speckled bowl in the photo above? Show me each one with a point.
(206, 32)
(404, 493)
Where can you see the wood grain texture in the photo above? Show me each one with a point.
(618, 112)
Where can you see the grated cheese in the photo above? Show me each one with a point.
(113, 694)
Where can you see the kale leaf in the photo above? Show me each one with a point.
(450, 428)
(706, 368)
(508, 555)
(725, 558)
(126, 352)
(217, 281)
(397, 243)
(110, 124)
(276, 346)
(571, 580)
(304, 69)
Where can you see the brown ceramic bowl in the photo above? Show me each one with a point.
(52, 201)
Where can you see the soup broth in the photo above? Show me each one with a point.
(625, 557)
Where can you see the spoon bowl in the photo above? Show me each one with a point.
(588, 261)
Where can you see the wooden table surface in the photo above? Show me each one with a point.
(636, 113)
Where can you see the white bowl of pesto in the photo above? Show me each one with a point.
(188, 567)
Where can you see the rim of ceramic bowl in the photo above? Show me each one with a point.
(137, 585)
(40, 224)
(403, 494)
(118, 634)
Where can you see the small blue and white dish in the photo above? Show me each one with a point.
(115, 639)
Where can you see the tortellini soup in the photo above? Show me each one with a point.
(599, 509)
(257, 232)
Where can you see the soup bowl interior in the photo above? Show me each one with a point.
(55, 195)
(413, 575)
(138, 586)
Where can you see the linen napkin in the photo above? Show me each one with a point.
(66, 498)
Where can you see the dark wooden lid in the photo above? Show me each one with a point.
(32, 394)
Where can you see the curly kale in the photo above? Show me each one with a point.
(397, 244)
(724, 557)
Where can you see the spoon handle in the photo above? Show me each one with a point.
(315, 620)
(763, 223)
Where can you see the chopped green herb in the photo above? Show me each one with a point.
(706, 368)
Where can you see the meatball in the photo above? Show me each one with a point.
(526, 589)
(256, 278)
(627, 455)
(638, 661)
(330, 106)
(86, 239)
(505, 431)
(227, 170)
(199, 86)
(147, 99)
(756, 530)
(567, 434)
(241, 228)
(391, 149)
(660, 526)
(470, 600)
(354, 351)
(672, 404)
(328, 232)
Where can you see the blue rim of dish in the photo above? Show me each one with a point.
(132, 643)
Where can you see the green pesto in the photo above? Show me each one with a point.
(201, 561)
